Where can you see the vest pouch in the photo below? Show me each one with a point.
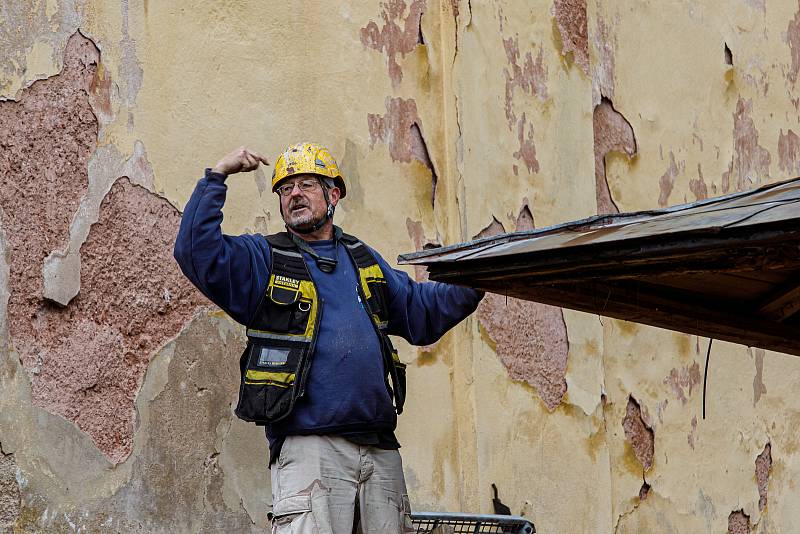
(266, 392)
(285, 311)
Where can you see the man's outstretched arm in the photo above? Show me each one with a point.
(230, 270)
(421, 312)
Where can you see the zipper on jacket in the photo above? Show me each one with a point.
(311, 349)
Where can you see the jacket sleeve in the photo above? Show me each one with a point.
(232, 271)
(422, 312)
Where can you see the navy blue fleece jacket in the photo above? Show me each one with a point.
(346, 392)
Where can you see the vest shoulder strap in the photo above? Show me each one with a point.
(281, 240)
(286, 258)
(360, 252)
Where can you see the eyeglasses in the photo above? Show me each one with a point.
(305, 186)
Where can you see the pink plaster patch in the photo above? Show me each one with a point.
(530, 338)
(793, 38)
(667, 180)
(763, 468)
(698, 186)
(401, 129)
(639, 434)
(738, 523)
(751, 161)
(789, 153)
(571, 21)
(86, 361)
(612, 133)
(392, 39)
(683, 380)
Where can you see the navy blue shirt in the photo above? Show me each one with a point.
(346, 393)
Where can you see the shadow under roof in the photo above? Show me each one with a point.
(726, 268)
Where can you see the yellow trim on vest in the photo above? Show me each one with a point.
(372, 273)
(309, 293)
(279, 379)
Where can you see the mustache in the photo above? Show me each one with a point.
(298, 203)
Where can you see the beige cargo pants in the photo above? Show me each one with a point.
(325, 484)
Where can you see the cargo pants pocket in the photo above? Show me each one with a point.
(293, 515)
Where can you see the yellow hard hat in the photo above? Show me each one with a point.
(307, 158)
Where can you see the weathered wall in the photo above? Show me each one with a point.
(450, 119)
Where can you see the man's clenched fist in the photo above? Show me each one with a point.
(240, 160)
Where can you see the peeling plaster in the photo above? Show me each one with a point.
(531, 78)
(603, 70)
(759, 388)
(570, 17)
(683, 380)
(667, 180)
(750, 161)
(417, 235)
(612, 133)
(698, 185)
(392, 39)
(763, 468)
(793, 39)
(738, 523)
(401, 129)
(639, 434)
(530, 338)
(86, 360)
(789, 153)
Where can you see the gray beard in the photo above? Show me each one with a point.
(301, 223)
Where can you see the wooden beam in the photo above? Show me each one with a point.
(661, 307)
(783, 302)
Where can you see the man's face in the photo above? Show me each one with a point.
(303, 209)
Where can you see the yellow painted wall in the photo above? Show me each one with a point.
(503, 95)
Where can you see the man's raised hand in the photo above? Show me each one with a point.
(240, 160)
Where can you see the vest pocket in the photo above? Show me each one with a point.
(267, 388)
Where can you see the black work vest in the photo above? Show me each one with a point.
(283, 331)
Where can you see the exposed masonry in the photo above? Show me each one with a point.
(738, 523)
(531, 78)
(530, 338)
(398, 36)
(750, 160)
(570, 18)
(789, 153)
(683, 380)
(86, 360)
(401, 129)
(612, 133)
(10, 503)
(763, 467)
(639, 434)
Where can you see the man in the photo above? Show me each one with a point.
(319, 370)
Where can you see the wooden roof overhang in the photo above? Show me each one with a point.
(726, 268)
